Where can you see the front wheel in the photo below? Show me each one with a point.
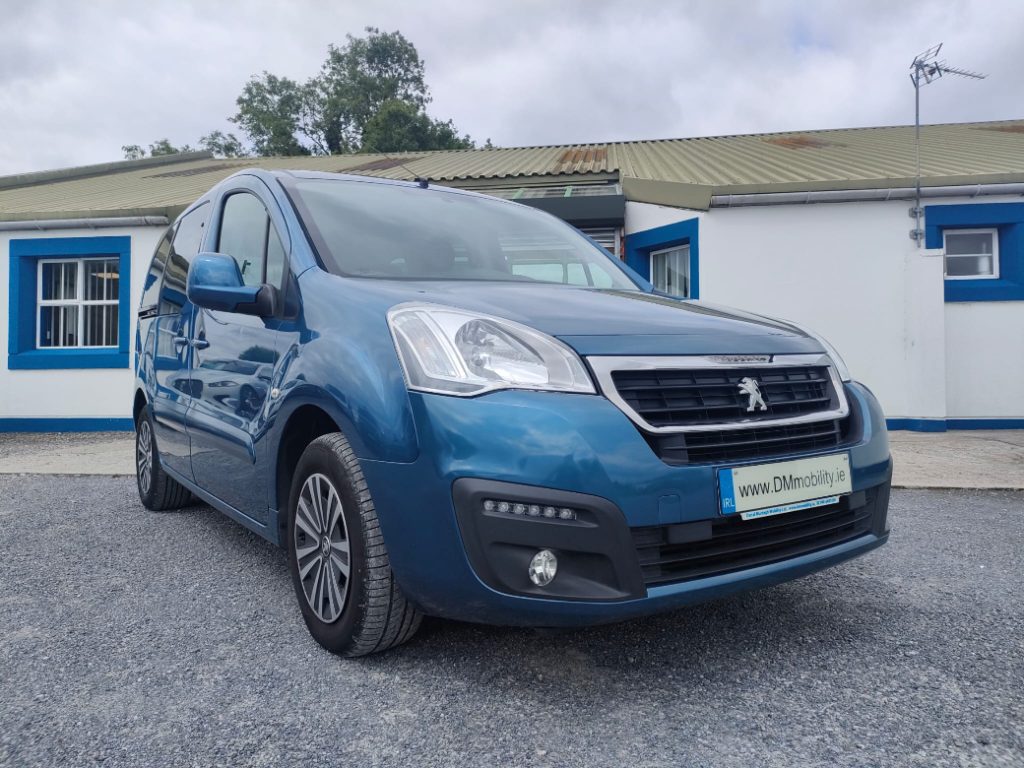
(340, 569)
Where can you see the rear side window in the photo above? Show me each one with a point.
(151, 288)
(184, 248)
(249, 237)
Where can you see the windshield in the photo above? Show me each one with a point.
(366, 229)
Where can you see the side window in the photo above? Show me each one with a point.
(275, 258)
(184, 248)
(243, 235)
(151, 288)
(247, 235)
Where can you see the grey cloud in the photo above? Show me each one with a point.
(77, 81)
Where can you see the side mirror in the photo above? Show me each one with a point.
(214, 282)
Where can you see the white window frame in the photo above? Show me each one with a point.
(995, 253)
(78, 301)
(689, 277)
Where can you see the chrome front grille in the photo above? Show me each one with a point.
(699, 409)
(685, 397)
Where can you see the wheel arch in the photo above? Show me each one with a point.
(138, 404)
(303, 422)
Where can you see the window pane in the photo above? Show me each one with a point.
(275, 258)
(183, 249)
(601, 277)
(575, 275)
(58, 326)
(243, 234)
(969, 243)
(60, 280)
(548, 272)
(382, 230)
(670, 271)
(101, 279)
(100, 325)
(969, 266)
(151, 287)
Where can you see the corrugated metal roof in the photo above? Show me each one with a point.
(679, 171)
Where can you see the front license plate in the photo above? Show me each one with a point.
(785, 486)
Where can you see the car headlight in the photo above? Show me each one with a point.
(458, 352)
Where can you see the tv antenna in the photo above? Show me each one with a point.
(925, 68)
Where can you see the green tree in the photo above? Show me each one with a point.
(399, 127)
(219, 143)
(370, 93)
(222, 144)
(271, 111)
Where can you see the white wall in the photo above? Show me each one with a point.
(641, 216)
(72, 393)
(851, 272)
(985, 359)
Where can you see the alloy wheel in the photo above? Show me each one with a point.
(144, 455)
(321, 545)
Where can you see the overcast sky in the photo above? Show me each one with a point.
(78, 80)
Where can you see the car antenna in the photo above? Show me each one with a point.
(423, 183)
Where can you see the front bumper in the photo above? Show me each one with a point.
(587, 453)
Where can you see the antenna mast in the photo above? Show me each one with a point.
(925, 68)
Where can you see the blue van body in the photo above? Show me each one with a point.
(234, 398)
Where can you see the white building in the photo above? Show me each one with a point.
(811, 227)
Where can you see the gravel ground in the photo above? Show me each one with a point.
(133, 638)
(16, 444)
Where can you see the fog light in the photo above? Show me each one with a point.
(543, 567)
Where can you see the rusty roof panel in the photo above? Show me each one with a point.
(832, 159)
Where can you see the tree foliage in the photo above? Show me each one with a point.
(399, 127)
(370, 95)
(219, 143)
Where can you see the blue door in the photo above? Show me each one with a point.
(234, 361)
(172, 351)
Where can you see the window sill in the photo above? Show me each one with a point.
(984, 289)
(53, 359)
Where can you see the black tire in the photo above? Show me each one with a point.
(374, 614)
(158, 491)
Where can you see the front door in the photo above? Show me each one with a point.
(172, 353)
(233, 365)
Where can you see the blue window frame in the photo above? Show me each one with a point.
(30, 348)
(640, 246)
(1007, 219)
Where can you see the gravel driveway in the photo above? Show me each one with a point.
(133, 638)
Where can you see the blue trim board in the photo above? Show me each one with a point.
(942, 425)
(917, 425)
(66, 425)
(1008, 220)
(21, 335)
(640, 244)
(985, 423)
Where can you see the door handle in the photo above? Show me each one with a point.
(180, 341)
(200, 343)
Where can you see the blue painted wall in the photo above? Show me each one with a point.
(1008, 220)
(21, 339)
(640, 244)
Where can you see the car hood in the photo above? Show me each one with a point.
(606, 322)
